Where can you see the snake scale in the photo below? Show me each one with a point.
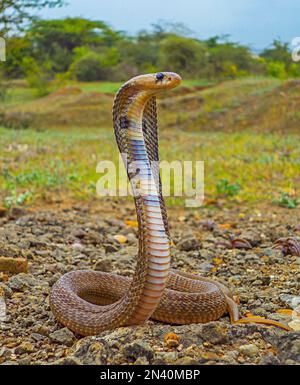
(89, 302)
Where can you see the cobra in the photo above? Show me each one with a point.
(89, 302)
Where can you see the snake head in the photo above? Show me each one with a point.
(157, 81)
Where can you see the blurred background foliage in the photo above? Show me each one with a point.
(85, 50)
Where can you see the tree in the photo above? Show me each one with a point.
(278, 52)
(89, 68)
(55, 40)
(227, 59)
(13, 13)
(186, 56)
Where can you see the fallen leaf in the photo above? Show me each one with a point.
(171, 340)
(225, 226)
(120, 238)
(131, 223)
(263, 321)
(217, 261)
(285, 311)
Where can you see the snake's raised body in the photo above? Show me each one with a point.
(89, 302)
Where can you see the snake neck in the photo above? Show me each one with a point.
(153, 263)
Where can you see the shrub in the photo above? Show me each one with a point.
(224, 188)
(89, 68)
(276, 70)
(285, 200)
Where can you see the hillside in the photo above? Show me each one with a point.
(257, 104)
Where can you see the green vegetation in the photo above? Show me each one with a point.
(55, 165)
(52, 52)
(231, 110)
(286, 200)
(226, 189)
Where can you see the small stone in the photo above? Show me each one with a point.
(188, 244)
(111, 248)
(187, 361)
(215, 333)
(22, 281)
(67, 361)
(288, 347)
(249, 350)
(24, 347)
(6, 290)
(37, 336)
(269, 359)
(13, 265)
(205, 266)
(63, 336)
(103, 265)
(295, 325)
(141, 361)
(136, 349)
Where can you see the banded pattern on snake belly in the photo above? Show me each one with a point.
(144, 184)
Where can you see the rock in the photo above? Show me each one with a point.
(63, 336)
(288, 348)
(90, 352)
(215, 333)
(289, 300)
(269, 359)
(187, 361)
(22, 281)
(111, 248)
(13, 265)
(37, 337)
(67, 361)
(205, 266)
(24, 347)
(6, 290)
(188, 244)
(295, 325)
(103, 265)
(249, 350)
(166, 357)
(136, 349)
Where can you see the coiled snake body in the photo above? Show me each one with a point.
(89, 302)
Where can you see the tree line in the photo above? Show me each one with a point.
(86, 50)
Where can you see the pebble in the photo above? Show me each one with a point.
(24, 347)
(188, 244)
(137, 349)
(215, 332)
(262, 278)
(249, 350)
(63, 336)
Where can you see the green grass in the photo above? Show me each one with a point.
(39, 164)
(103, 87)
(17, 95)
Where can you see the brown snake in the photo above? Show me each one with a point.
(89, 302)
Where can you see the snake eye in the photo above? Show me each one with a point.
(159, 76)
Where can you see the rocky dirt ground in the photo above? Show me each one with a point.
(233, 245)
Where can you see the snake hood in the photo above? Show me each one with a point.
(155, 82)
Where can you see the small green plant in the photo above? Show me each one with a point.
(224, 188)
(285, 200)
(16, 199)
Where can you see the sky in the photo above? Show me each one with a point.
(253, 22)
